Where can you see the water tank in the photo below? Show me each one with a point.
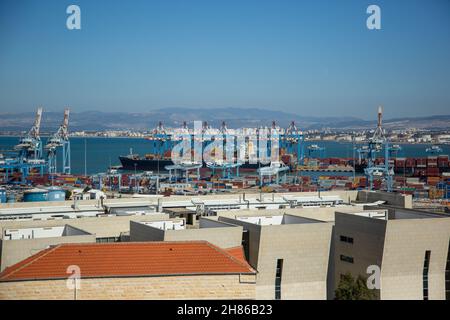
(2, 195)
(35, 195)
(56, 194)
(11, 198)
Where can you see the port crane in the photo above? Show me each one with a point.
(161, 140)
(293, 142)
(376, 144)
(30, 146)
(58, 140)
(274, 169)
(225, 166)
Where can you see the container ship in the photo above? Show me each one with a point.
(162, 142)
(154, 162)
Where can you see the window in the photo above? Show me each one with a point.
(447, 275)
(278, 274)
(346, 239)
(108, 239)
(426, 266)
(346, 258)
(246, 243)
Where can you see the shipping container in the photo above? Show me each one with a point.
(421, 163)
(410, 163)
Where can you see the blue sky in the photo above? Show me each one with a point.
(313, 58)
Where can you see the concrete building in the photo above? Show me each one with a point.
(18, 244)
(183, 270)
(299, 243)
(389, 198)
(200, 205)
(410, 247)
(290, 253)
(105, 228)
(219, 233)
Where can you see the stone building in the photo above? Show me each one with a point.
(139, 270)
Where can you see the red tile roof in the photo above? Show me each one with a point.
(128, 259)
(237, 252)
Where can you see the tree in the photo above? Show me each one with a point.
(354, 289)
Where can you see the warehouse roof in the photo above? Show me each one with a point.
(131, 259)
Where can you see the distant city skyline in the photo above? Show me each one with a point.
(311, 58)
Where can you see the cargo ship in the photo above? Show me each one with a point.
(155, 163)
(426, 166)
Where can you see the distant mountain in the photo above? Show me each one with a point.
(234, 118)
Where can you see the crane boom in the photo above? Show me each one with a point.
(64, 128)
(60, 139)
(34, 131)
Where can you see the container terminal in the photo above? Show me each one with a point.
(30, 173)
(286, 229)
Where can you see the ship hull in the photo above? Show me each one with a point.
(159, 165)
(144, 164)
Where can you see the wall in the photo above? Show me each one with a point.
(398, 247)
(392, 199)
(100, 226)
(223, 237)
(168, 287)
(305, 250)
(152, 201)
(142, 232)
(367, 248)
(323, 214)
(403, 258)
(14, 251)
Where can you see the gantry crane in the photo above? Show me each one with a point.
(30, 146)
(376, 144)
(293, 142)
(59, 139)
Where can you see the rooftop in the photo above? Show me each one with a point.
(129, 259)
(268, 220)
(174, 224)
(39, 233)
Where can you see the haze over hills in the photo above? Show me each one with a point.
(234, 118)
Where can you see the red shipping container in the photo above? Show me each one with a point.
(400, 163)
(443, 164)
(421, 163)
(410, 163)
(432, 172)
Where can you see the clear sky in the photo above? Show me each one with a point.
(310, 57)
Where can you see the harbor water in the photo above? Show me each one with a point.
(100, 153)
